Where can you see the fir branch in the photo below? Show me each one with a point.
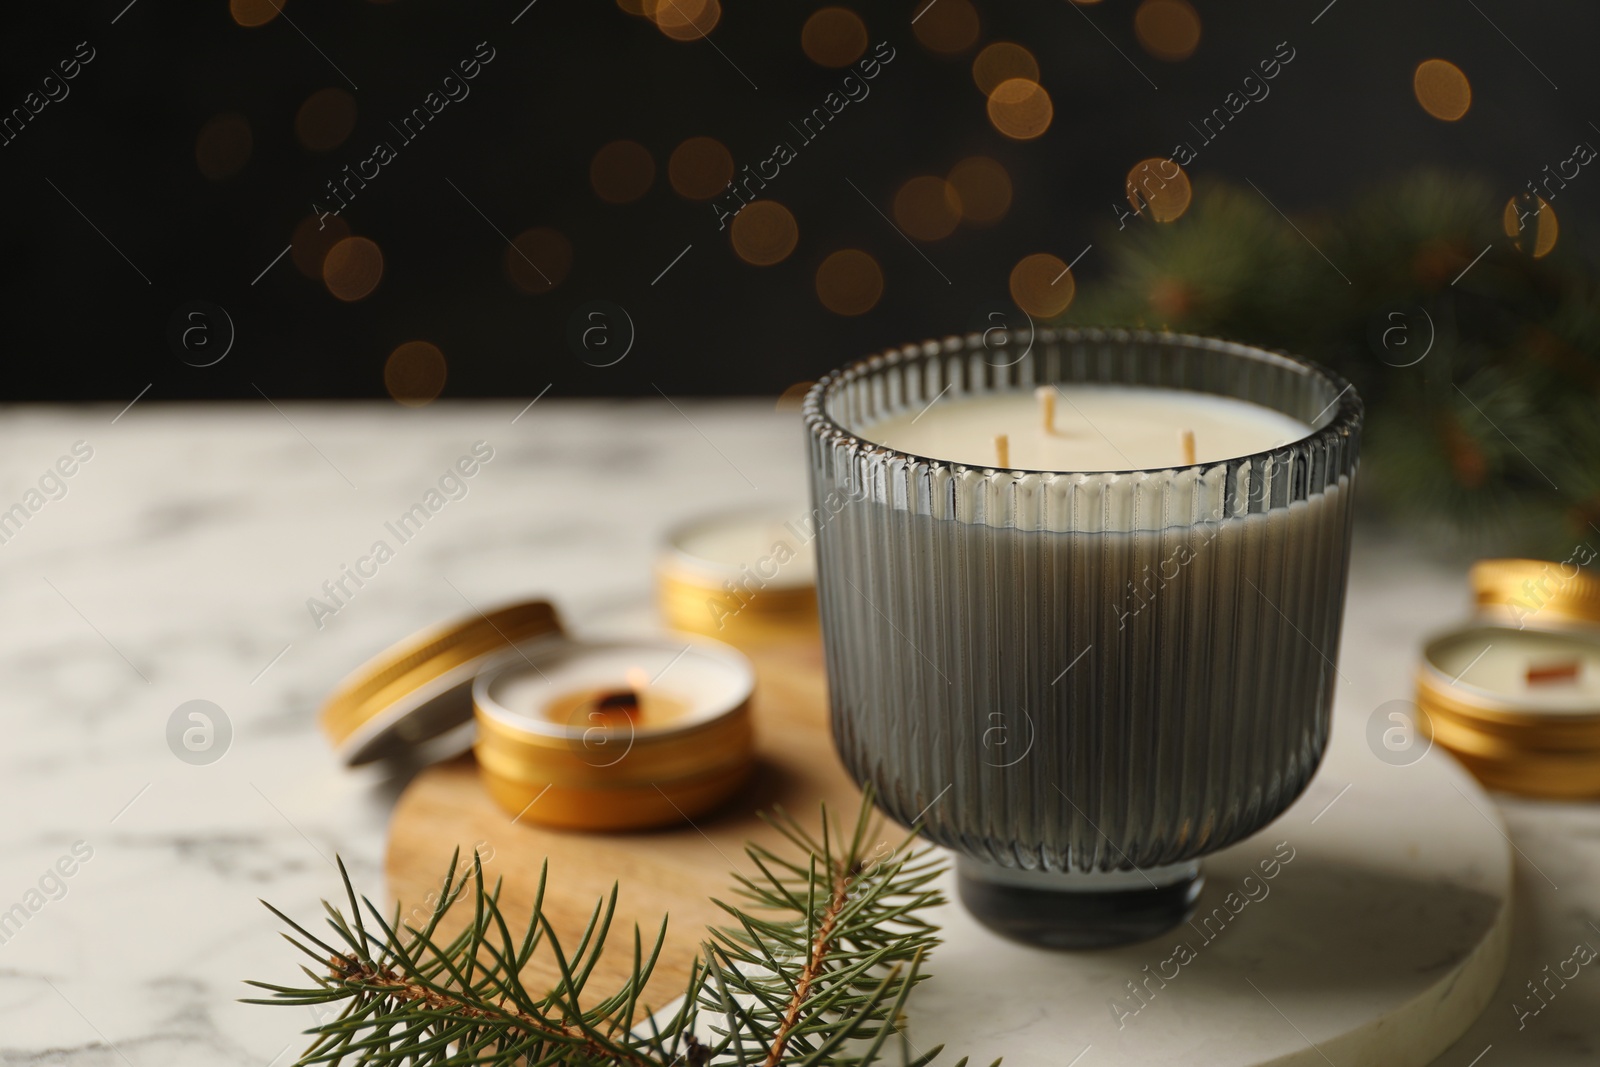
(1444, 307)
(824, 947)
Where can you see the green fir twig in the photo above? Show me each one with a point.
(825, 944)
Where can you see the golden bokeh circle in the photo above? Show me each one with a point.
(684, 20)
(849, 282)
(223, 146)
(1160, 186)
(1001, 61)
(834, 37)
(1042, 285)
(700, 168)
(311, 240)
(1020, 108)
(983, 188)
(927, 208)
(1167, 29)
(325, 119)
(352, 268)
(254, 12)
(947, 27)
(764, 233)
(415, 373)
(1442, 89)
(622, 171)
(539, 259)
(1531, 224)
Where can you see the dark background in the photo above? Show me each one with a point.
(118, 155)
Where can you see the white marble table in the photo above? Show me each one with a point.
(177, 567)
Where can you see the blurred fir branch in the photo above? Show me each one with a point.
(825, 947)
(1493, 433)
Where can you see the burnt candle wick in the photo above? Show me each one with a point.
(618, 701)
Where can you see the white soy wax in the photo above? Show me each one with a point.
(1507, 664)
(722, 547)
(1088, 428)
(688, 684)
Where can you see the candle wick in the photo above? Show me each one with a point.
(1548, 673)
(1186, 440)
(1002, 450)
(1047, 407)
(618, 701)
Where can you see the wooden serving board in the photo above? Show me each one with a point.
(671, 872)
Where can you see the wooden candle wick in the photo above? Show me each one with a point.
(1548, 673)
(1047, 407)
(1002, 450)
(1186, 437)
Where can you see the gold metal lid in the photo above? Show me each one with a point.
(744, 577)
(419, 692)
(1477, 691)
(1536, 592)
(548, 757)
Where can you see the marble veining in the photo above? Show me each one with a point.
(177, 567)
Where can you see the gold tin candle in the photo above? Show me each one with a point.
(1517, 703)
(745, 576)
(614, 735)
(1537, 592)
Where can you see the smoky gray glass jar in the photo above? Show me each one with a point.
(1081, 682)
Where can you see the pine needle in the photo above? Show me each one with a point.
(814, 969)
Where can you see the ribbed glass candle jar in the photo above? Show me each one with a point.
(1081, 682)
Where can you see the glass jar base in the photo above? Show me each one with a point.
(1078, 911)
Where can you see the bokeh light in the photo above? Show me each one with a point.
(1167, 29)
(325, 119)
(1531, 224)
(983, 188)
(538, 260)
(1442, 89)
(764, 233)
(311, 240)
(834, 37)
(684, 20)
(947, 27)
(1001, 61)
(927, 208)
(223, 146)
(254, 12)
(352, 268)
(1160, 186)
(415, 373)
(1020, 109)
(700, 168)
(1042, 285)
(622, 171)
(849, 282)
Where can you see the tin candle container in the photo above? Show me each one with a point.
(614, 736)
(624, 734)
(1081, 682)
(745, 577)
(1514, 694)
